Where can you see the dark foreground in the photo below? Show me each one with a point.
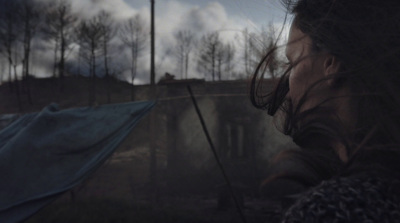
(165, 210)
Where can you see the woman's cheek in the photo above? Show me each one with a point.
(298, 82)
(293, 84)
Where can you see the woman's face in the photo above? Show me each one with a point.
(308, 68)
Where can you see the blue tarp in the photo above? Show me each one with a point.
(45, 154)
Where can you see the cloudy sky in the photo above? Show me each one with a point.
(253, 10)
(228, 17)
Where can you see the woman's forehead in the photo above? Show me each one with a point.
(298, 43)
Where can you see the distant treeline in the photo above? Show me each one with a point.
(88, 46)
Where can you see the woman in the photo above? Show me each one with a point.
(340, 99)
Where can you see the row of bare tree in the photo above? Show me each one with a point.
(25, 21)
(91, 42)
(218, 59)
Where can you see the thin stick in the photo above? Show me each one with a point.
(239, 209)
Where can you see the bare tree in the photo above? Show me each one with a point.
(108, 30)
(134, 35)
(90, 34)
(210, 46)
(59, 27)
(261, 43)
(185, 42)
(9, 34)
(221, 54)
(230, 51)
(225, 56)
(30, 16)
(17, 57)
(247, 51)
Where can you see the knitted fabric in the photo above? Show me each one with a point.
(366, 199)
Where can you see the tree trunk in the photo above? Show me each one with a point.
(90, 81)
(186, 65)
(26, 60)
(107, 72)
(181, 63)
(134, 71)
(213, 64)
(94, 78)
(62, 56)
(55, 59)
(135, 53)
(17, 89)
(9, 73)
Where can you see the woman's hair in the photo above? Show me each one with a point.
(364, 35)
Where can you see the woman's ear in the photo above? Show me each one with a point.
(331, 69)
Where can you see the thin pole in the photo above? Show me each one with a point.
(153, 151)
(152, 63)
(203, 124)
